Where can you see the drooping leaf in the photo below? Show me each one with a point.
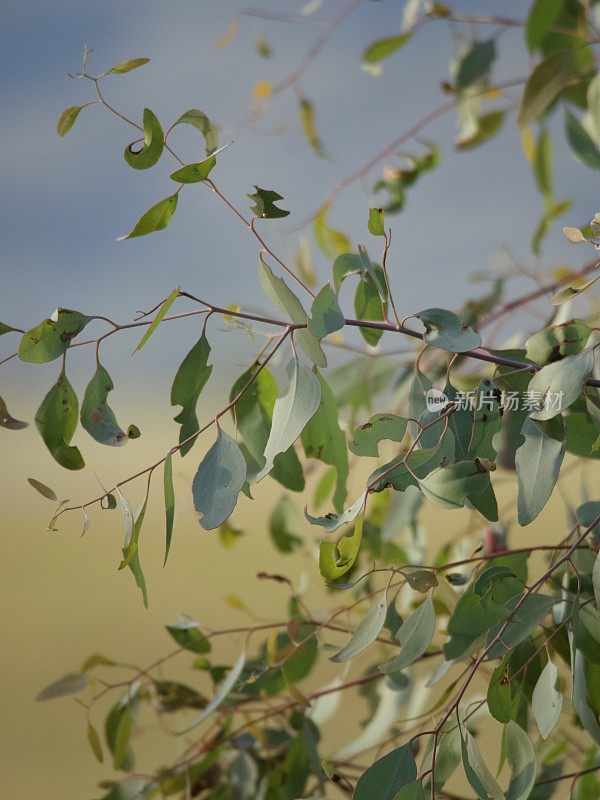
(279, 292)
(156, 218)
(452, 486)
(284, 526)
(522, 623)
(51, 338)
(56, 420)
(69, 684)
(543, 85)
(307, 123)
(264, 204)
(366, 633)
(369, 306)
(325, 314)
(593, 105)
(523, 763)
(97, 417)
(218, 481)
(224, 689)
(542, 16)
(345, 265)
(94, 742)
(126, 66)
(8, 421)
(384, 779)
(376, 223)
(162, 312)
(538, 462)
(499, 694)
(190, 380)
(486, 421)
(122, 739)
(201, 122)
(187, 634)
(291, 413)
(154, 142)
(445, 330)
(582, 145)
(323, 438)
(169, 494)
(383, 48)
(475, 64)
(68, 118)
(330, 241)
(477, 773)
(415, 635)
(381, 427)
(558, 385)
(546, 702)
(44, 490)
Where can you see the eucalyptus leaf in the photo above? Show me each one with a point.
(325, 314)
(560, 384)
(56, 420)
(97, 417)
(220, 695)
(126, 66)
(191, 378)
(546, 702)
(415, 635)
(8, 421)
(366, 633)
(264, 204)
(156, 218)
(523, 762)
(381, 49)
(218, 481)
(68, 118)
(154, 142)
(51, 338)
(69, 684)
(202, 123)
(445, 330)
(384, 778)
(162, 312)
(546, 81)
(44, 490)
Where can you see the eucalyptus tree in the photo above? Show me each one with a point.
(482, 636)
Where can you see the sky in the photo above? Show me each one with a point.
(65, 201)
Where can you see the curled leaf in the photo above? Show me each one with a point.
(154, 142)
(8, 421)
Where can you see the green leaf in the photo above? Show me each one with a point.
(381, 427)
(415, 635)
(478, 775)
(541, 18)
(194, 173)
(366, 633)
(376, 223)
(582, 145)
(44, 490)
(131, 553)
(97, 417)
(369, 306)
(190, 380)
(218, 481)
(573, 290)
(5, 328)
(383, 48)
(56, 420)
(284, 526)
(345, 265)
(421, 580)
(94, 742)
(323, 438)
(445, 330)
(558, 385)
(154, 142)
(291, 412)
(384, 779)
(224, 689)
(126, 66)
(8, 421)
(169, 494)
(202, 123)
(593, 104)
(475, 64)
(336, 559)
(331, 241)
(523, 763)
(123, 736)
(488, 125)
(412, 791)
(162, 312)
(486, 421)
(264, 204)
(546, 81)
(551, 344)
(156, 218)
(499, 695)
(331, 522)
(69, 684)
(546, 702)
(307, 124)
(188, 635)
(542, 164)
(523, 622)
(325, 314)
(68, 118)
(282, 296)
(453, 485)
(52, 337)
(538, 462)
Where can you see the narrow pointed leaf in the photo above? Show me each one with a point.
(415, 635)
(366, 633)
(127, 66)
(188, 384)
(68, 118)
(156, 218)
(8, 421)
(194, 173)
(44, 490)
(169, 494)
(69, 684)
(224, 689)
(543, 85)
(383, 48)
(523, 763)
(162, 312)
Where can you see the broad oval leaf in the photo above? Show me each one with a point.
(169, 494)
(383, 48)
(68, 118)
(366, 633)
(557, 341)
(56, 420)
(331, 522)
(218, 481)
(538, 462)
(558, 385)
(384, 779)
(51, 338)
(194, 173)
(97, 417)
(445, 330)
(292, 411)
(415, 635)
(186, 633)
(325, 314)
(379, 428)
(543, 85)
(154, 142)
(546, 702)
(156, 218)
(198, 119)
(523, 763)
